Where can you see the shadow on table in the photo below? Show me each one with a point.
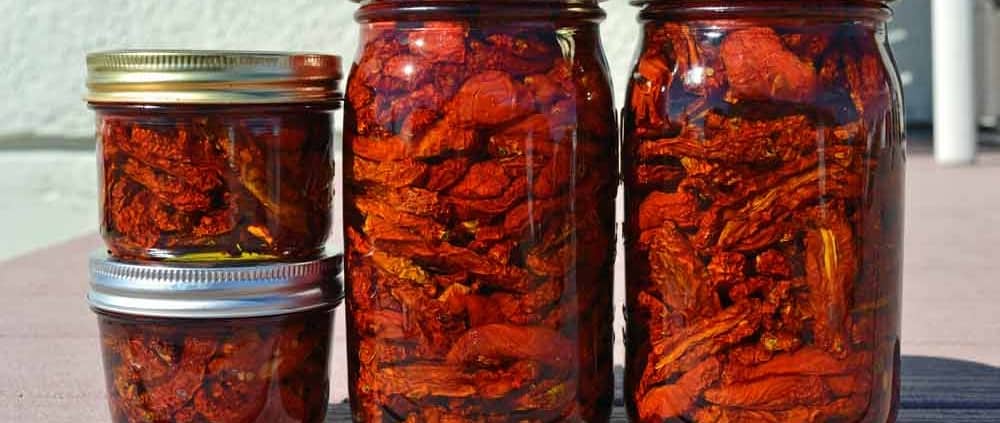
(933, 390)
(943, 383)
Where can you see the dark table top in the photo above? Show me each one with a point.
(933, 390)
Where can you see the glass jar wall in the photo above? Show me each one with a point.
(264, 369)
(764, 164)
(214, 156)
(197, 183)
(480, 175)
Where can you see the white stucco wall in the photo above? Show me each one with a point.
(43, 44)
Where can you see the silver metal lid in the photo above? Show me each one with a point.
(193, 291)
(212, 77)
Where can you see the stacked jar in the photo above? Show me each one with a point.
(763, 160)
(215, 297)
(480, 175)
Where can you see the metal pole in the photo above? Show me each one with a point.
(955, 130)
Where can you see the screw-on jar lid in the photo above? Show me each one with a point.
(194, 291)
(212, 77)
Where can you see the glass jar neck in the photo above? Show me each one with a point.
(827, 10)
(502, 10)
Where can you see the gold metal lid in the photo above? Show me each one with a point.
(212, 77)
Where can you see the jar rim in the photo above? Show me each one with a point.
(738, 3)
(212, 77)
(875, 9)
(523, 2)
(415, 10)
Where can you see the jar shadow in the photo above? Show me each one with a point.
(937, 383)
(933, 389)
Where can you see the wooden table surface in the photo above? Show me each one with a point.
(51, 368)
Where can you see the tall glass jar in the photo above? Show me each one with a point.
(213, 155)
(764, 159)
(480, 176)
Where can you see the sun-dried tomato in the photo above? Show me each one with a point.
(215, 183)
(479, 221)
(247, 370)
(763, 169)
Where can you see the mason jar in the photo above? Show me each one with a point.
(764, 156)
(214, 156)
(480, 175)
(216, 344)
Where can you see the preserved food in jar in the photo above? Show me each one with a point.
(480, 175)
(216, 344)
(763, 161)
(264, 369)
(215, 174)
(216, 183)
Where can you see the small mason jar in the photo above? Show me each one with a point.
(763, 160)
(213, 156)
(480, 174)
(216, 344)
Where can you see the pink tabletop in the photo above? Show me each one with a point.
(51, 368)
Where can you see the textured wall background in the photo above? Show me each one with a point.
(43, 44)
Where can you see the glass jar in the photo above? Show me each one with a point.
(480, 176)
(209, 156)
(764, 156)
(236, 344)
